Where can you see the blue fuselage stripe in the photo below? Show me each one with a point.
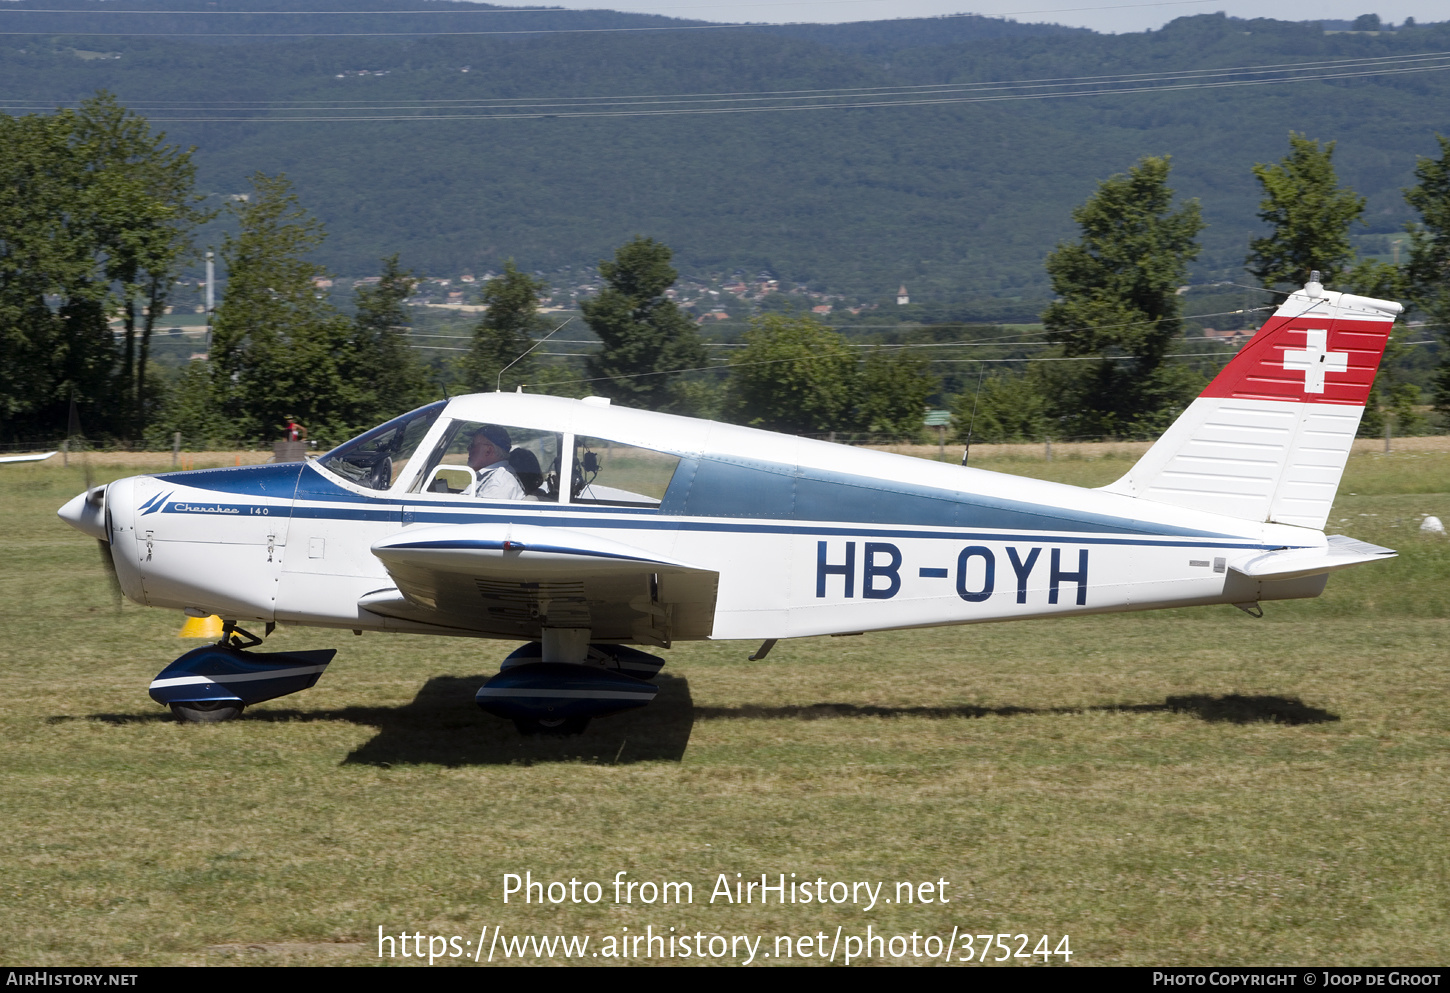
(316, 498)
(394, 515)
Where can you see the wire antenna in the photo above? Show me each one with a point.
(498, 385)
(966, 452)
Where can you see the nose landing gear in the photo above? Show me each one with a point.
(216, 683)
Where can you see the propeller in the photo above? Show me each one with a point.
(96, 503)
(112, 579)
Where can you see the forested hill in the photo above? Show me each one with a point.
(851, 157)
(233, 22)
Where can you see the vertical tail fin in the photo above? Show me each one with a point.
(1269, 437)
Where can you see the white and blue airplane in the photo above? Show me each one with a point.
(633, 528)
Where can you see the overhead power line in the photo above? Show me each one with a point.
(1389, 61)
(663, 105)
(1282, 70)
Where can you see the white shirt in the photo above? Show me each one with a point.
(498, 482)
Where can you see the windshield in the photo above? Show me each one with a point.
(375, 459)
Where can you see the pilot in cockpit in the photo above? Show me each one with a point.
(488, 457)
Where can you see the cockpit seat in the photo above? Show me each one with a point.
(525, 465)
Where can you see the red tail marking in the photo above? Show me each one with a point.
(1272, 366)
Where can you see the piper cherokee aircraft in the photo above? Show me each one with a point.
(643, 529)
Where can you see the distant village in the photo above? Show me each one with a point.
(714, 300)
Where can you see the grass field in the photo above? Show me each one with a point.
(1179, 787)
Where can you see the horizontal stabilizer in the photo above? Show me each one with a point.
(1292, 563)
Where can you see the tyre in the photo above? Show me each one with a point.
(206, 711)
(560, 727)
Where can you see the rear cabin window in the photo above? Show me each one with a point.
(615, 475)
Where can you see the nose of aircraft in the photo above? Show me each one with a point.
(86, 512)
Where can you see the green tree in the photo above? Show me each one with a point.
(506, 331)
(1118, 301)
(645, 336)
(1427, 275)
(1391, 399)
(1008, 407)
(95, 212)
(144, 213)
(192, 410)
(1310, 215)
(794, 375)
(894, 385)
(53, 331)
(381, 356)
(279, 349)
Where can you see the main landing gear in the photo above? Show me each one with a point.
(580, 681)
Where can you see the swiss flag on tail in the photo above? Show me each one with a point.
(1268, 439)
(1317, 348)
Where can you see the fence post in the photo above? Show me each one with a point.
(1387, 436)
(65, 453)
(175, 449)
(1048, 442)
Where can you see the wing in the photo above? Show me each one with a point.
(511, 580)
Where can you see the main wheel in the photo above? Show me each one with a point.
(206, 711)
(560, 727)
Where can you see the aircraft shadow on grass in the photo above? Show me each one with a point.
(443, 726)
(1233, 709)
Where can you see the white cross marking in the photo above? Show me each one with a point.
(1316, 360)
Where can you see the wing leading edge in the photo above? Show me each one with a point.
(513, 580)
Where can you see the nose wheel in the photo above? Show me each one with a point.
(207, 711)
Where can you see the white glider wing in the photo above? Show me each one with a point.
(513, 579)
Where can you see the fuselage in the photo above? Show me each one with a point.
(807, 537)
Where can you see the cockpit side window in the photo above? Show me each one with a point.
(376, 459)
(607, 472)
(532, 457)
